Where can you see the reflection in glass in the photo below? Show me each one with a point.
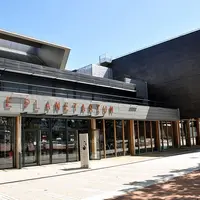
(99, 125)
(126, 138)
(30, 147)
(44, 139)
(149, 143)
(193, 132)
(170, 134)
(137, 137)
(119, 138)
(164, 135)
(182, 133)
(6, 142)
(59, 141)
(110, 143)
(142, 137)
(153, 125)
(72, 141)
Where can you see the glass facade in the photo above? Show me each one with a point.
(7, 144)
(51, 140)
(56, 140)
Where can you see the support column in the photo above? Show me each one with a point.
(94, 154)
(158, 132)
(198, 132)
(188, 138)
(176, 134)
(132, 137)
(18, 146)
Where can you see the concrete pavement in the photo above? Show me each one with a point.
(106, 178)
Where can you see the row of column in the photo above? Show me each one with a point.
(177, 137)
(158, 139)
(95, 150)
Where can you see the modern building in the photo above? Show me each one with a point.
(44, 108)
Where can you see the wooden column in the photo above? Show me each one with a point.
(115, 137)
(188, 139)
(198, 132)
(93, 140)
(123, 138)
(176, 134)
(104, 138)
(18, 146)
(157, 143)
(132, 137)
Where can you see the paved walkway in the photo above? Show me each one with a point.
(107, 178)
(180, 188)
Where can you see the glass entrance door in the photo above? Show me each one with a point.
(6, 142)
(31, 147)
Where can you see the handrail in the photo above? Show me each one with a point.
(39, 70)
(73, 93)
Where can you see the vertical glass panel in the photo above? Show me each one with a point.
(193, 132)
(183, 133)
(59, 140)
(99, 125)
(137, 137)
(187, 132)
(6, 142)
(153, 123)
(30, 147)
(148, 136)
(72, 141)
(126, 137)
(82, 125)
(170, 134)
(164, 135)
(119, 138)
(36, 131)
(45, 141)
(110, 143)
(142, 137)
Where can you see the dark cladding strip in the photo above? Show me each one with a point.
(38, 70)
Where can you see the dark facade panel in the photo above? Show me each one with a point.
(172, 70)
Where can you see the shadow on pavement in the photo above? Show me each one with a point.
(185, 187)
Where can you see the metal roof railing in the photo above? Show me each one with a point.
(48, 72)
(10, 86)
